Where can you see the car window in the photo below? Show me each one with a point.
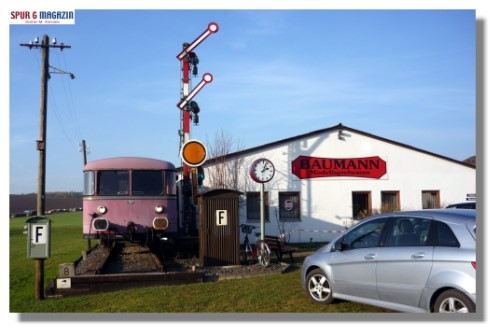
(365, 235)
(408, 231)
(467, 205)
(445, 236)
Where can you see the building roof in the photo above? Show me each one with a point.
(339, 127)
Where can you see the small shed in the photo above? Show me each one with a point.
(219, 227)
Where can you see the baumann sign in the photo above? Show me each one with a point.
(305, 167)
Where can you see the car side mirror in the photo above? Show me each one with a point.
(338, 246)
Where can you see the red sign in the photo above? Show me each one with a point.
(288, 205)
(306, 167)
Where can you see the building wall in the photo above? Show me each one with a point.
(326, 202)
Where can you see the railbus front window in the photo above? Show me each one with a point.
(113, 182)
(148, 183)
(88, 183)
(171, 188)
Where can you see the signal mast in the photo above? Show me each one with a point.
(193, 152)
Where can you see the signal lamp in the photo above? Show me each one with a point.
(200, 175)
(194, 107)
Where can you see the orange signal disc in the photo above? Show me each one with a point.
(194, 153)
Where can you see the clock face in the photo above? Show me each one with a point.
(262, 170)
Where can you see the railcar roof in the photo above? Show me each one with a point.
(128, 163)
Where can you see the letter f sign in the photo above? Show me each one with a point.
(221, 217)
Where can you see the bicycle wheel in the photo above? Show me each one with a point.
(263, 253)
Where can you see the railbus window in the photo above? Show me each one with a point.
(112, 182)
(147, 182)
(171, 188)
(88, 183)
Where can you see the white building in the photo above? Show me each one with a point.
(327, 179)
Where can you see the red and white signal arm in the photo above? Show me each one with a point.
(193, 153)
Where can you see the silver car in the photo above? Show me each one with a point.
(408, 261)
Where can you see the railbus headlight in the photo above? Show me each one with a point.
(159, 208)
(160, 223)
(101, 209)
(100, 224)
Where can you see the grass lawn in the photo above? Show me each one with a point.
(276, 293)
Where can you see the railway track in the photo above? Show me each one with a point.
(122, 266)
(127, 265)
(122, 257)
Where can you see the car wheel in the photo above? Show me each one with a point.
(453, 301)
(319, 289)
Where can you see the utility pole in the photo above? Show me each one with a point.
(84, 151)
(41, 145)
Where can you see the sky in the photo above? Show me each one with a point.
(411, 76)
(405, 75)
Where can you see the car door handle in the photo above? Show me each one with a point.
(370, 256)
(418, 255)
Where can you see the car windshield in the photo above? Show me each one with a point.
(365, 235)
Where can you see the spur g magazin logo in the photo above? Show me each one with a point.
(42, 17)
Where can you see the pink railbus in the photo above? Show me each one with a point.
(129, 198)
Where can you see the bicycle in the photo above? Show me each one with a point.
(260, 249)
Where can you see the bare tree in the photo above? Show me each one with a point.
(225, 169)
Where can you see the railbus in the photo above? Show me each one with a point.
(130, 198)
